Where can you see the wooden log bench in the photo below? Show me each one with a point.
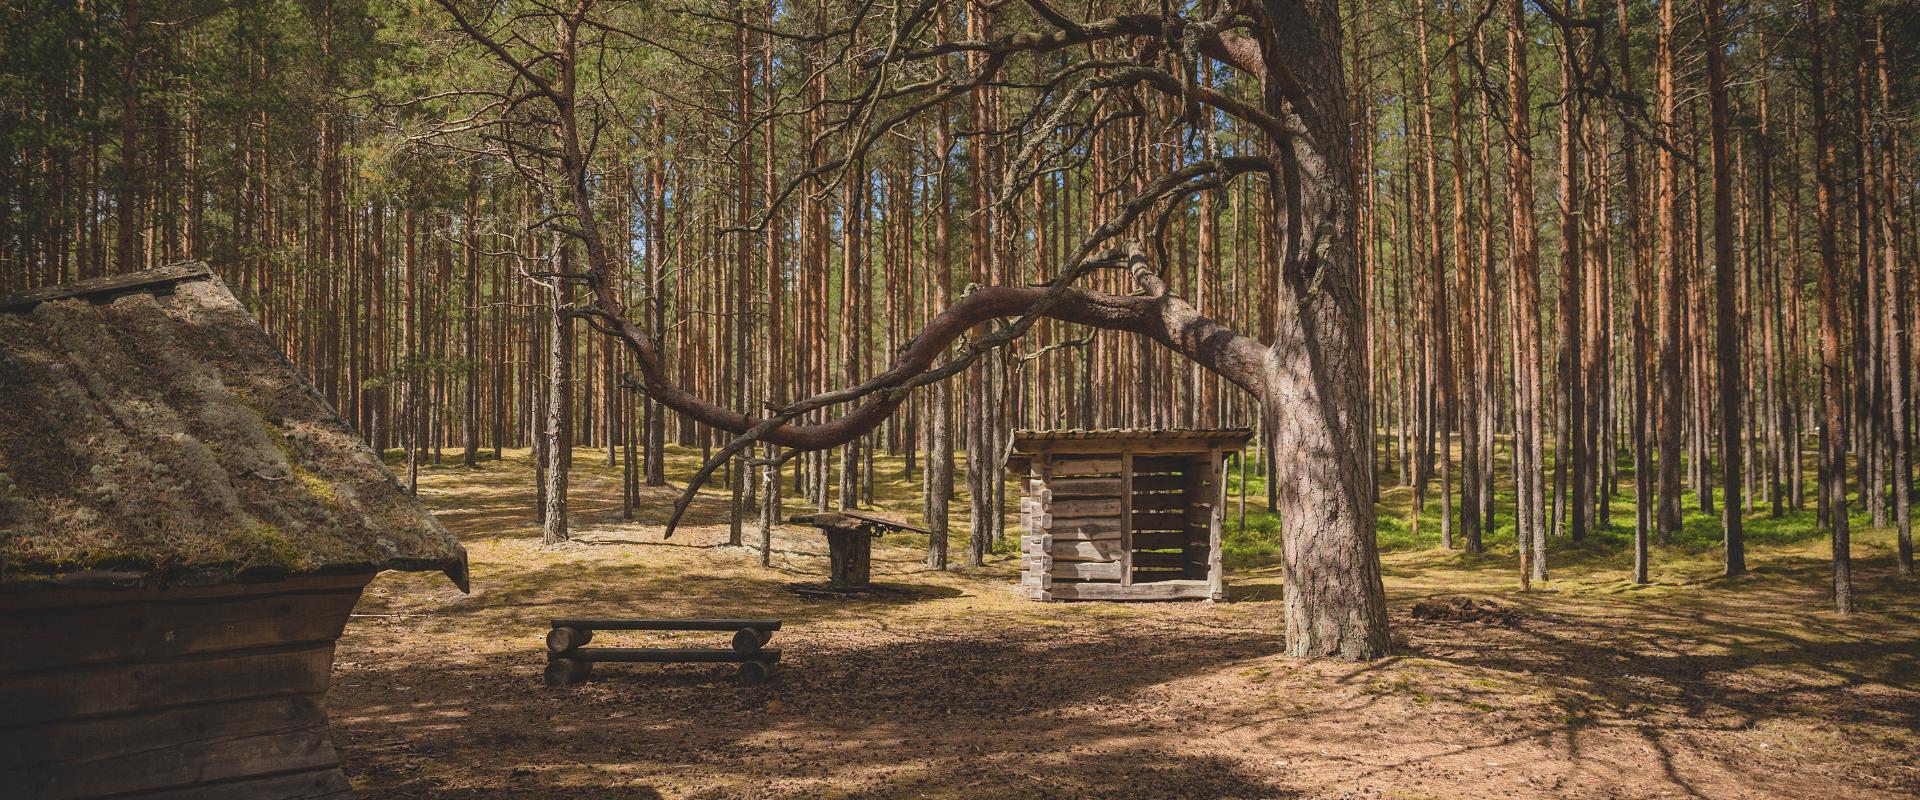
(570, 661)
(850, 536)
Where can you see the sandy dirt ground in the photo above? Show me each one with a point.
(949, 685)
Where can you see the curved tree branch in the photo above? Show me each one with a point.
(1157, 315)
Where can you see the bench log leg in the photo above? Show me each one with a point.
(750, 640)
(754, 673)
(568, 671)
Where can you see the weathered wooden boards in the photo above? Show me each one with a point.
(1122, 515)
(218, 692)
(1157, 590)
(1068, 467)
(570, 662)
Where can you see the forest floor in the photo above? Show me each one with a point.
(950, 685)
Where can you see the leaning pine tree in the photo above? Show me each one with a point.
(1287, 91)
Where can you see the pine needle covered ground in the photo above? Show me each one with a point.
(950, 685)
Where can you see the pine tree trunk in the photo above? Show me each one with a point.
(559, 447)
(1315, 403)
(940, 427)
(1896, 283)
(470, 327)
(1528, 462)
(1727, 331)
(1576, 454)
(1833, 483)
(1667, 221)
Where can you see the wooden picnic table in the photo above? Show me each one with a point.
(850, 537)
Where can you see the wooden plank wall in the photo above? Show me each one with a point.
(174, 694)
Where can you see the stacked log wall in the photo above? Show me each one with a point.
(214, 693)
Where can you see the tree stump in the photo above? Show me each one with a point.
(850, 553)
(850, 537)
(849, 549)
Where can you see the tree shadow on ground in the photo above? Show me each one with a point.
(1668, 671)
(846, 716)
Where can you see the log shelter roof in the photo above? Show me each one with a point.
(1030, 443)
(1075, 439)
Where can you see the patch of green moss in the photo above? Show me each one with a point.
(116, 558)
(266, 544)
(316, 486)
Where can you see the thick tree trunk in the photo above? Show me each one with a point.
(1467, 402)
(656, 302)
(1314, 400)
(1784, 470)
(939, 473)
(1487, 354)
(1576, 453)
(1643, 488)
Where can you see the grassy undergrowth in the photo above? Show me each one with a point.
(1251, 534)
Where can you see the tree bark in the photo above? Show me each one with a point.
(1896, 324)
(1528, 462)
(1667, 221)
(1833, 483)
(559, 400)
(1643, 486)
(1577, 456)
(1727, 331)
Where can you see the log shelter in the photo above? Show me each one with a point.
(1122, 514)
(185, 525)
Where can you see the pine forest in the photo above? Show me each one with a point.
(1571, 343)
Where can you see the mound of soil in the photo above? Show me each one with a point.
(1467, 609)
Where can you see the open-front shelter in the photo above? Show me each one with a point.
(185, 525)
(1123, 514)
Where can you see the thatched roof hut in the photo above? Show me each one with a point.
(184, 526)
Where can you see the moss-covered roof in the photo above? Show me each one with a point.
(151, 434)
